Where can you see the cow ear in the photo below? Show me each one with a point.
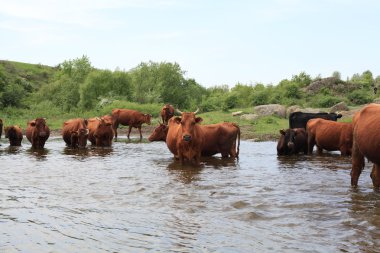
(85, 121)
(33, 123)
(198, 119)
(177, 120)
(282, 132)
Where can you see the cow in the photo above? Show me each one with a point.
(366, 143)
(1, 127)
(167, 112)
(129, 118)
(37, 133)
(329, 135)
(101, 132)
(292, 141)
(14, 134)
(75, 133)
(300, 119)
(219, 138)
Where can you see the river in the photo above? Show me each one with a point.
(133, 197)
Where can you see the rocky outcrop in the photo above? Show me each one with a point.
(271, 109)
(339, 107)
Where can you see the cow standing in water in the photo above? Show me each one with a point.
(129, 118)
(167, 112)
(292, 142)
(100, 131)
(366, 143)
(37, 132)
(300, 119)
(75, 133)
(219, 138)
(14, 134)
(185, 137)
(329, 135)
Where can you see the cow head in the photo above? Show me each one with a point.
(79, 137)
(104, 132)
(147, 118)
(40, 126)
(188, 122)
(286, 143)
(159, 133)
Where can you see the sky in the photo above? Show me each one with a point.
(217, 42)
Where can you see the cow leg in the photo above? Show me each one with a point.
(357, 164)
(129, 132)
(140, 132)
(319, 150)
(375, 175)
(115, 125)
(310, 144)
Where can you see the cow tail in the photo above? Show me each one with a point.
(238, 146)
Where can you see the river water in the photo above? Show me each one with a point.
(134, 197)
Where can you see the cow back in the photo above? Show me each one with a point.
(300, 119)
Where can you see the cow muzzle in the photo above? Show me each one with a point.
(291, 145)
(186, 138)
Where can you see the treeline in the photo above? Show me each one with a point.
(75, 85)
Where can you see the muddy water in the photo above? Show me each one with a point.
(134, 198)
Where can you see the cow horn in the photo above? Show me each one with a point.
(196, 111)
(179, 111)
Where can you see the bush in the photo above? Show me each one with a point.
(359, 97)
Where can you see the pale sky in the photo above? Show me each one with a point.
(215, 41)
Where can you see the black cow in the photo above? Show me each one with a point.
(292, 141)
(300, 119)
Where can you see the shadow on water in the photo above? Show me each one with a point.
(12, 150)
(39, 154)
(88, 151)
(187, 172)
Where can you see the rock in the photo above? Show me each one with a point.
(312, 110)
(291, 109)
(265, 110)
(237, 113)
(339, 107)
(376, 101)
(249, 116)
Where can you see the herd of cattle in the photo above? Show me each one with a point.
(188, 140)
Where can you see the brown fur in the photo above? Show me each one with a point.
(366, 143)
(1, 127)
(167, 112)
(129, 118)
(100, 131)
(219, 138)
(37, 132)
(75, 132)
(329, 135)
(14, 134)
(292, 141)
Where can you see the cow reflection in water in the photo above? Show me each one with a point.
(88, 152)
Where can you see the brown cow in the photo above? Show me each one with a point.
(185, 137)
(129, 118)
(219, 138)
(167, 112)
(100, 131)
(14, 134)
(1, 127)
(292, 141)
(75, 132)
(37, 132)
(366, 143)
(329, 135)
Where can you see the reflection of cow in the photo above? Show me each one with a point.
(292, 141)
(129, 118)
(185, 137)
(1, 127)
(219, 138)
(300, 119)
(75, 133)
(100, 131)
(14, 134)
(329, 135)
(366, 143)
(37, 132)
(167, 112)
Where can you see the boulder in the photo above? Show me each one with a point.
(339, 107)
(291, 109)
(272, 109)
(249, 116)
(376, 101)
